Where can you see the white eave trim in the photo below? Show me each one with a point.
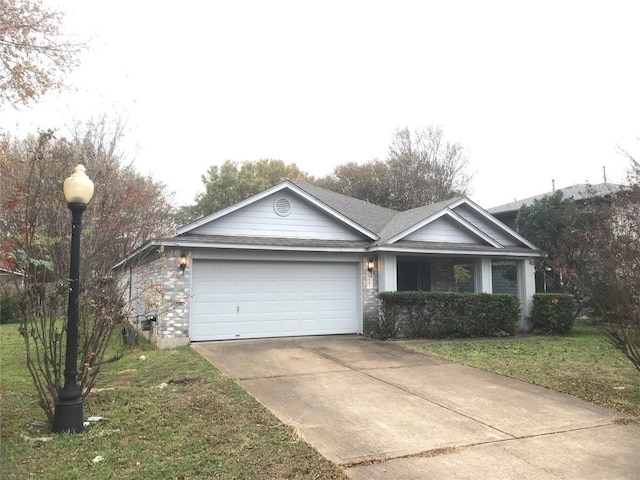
(494, 220)
(454, 216)
(286, 185)
(455, 252)
(236, 246)
(296, 248)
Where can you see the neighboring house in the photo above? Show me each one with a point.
(549, 280)
(508, 212)
(10, 279)
(297, 260)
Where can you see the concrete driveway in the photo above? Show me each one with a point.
(384, 412)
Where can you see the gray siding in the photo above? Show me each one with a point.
(259, 219)
(487, 226)
(444, 230)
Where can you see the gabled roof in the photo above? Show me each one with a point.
(404, 221)
(370, 216)
(383, 229)
(344, 213)
(576, 192)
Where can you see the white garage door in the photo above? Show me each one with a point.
(246, 299)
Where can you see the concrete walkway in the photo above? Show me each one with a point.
(384, 412)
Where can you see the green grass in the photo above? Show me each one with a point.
(171, 416)
(583, 364)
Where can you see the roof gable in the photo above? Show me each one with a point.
(444, 229)
(408, 221)
(494, 228)
(355, 226)
(257, 216)
(460, 219)
(322, 215)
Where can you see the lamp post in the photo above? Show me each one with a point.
(78, 190)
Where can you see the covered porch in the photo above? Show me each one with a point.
(459, 273)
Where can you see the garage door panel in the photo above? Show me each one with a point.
(265, 299)
(223, 307)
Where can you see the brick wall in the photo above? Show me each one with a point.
(369, 299)
(158, 287)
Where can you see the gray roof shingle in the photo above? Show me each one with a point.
(368, 215)
(381, 221)
(384, 222)
(577, 192)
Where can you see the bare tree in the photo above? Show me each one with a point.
(34, 54)
(127, 209)
(424, 168)
(421, 168)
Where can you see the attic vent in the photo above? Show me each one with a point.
(282, 207)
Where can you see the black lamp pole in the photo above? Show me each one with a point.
(68, 408)
(68, 413)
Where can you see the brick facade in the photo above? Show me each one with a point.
(370, 303)
(158, 287)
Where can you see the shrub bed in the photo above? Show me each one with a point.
(9, 307)
(552, 313)
(445, 315)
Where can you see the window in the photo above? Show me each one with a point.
(464, 278)
(413, 275)
(504, 277)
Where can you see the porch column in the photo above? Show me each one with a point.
(484, 281)
(387, 276)
(526, 290)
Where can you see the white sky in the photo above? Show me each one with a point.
(535, 90)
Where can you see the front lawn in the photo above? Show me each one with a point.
(583, 364)
(170, 415)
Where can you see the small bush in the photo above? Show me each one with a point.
(552, 313)
(9, 307)
(440, 315)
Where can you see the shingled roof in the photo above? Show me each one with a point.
(576, 192)
(382, 221)
(384, 227)
(368, 215)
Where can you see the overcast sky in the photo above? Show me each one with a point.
(535, 90)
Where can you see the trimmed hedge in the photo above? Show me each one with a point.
(443, 315)
(9, 307)
(552, 313)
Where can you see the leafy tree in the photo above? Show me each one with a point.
(127, 209)
(368, 182)
(601, 255)
(544, 224)
(34, 55)
(232, 182)
(421, 168)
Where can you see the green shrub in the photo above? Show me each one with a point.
(9, 307)
(388, 324)
(552, 313)
(440, 315)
